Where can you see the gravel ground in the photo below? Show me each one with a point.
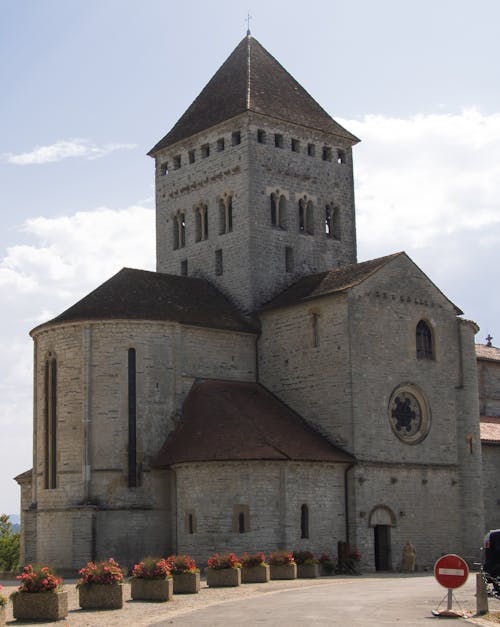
(142, 614)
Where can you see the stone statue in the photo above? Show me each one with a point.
(409, 557)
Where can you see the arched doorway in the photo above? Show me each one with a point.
(381, 519)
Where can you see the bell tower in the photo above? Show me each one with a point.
(254, 183)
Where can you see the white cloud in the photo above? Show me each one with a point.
(430, 185)
(64, 149)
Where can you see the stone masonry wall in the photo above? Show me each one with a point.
(425, 504)
(273, 492)
(491, 491)
(489, 387)
(92, 424)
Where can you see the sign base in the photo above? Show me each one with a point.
(448, 614)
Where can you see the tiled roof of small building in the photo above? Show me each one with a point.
(25, 476)
(330, 282)
(252, 80)
(487, 353)
(229, 420)
(142, 295)
(490, 429)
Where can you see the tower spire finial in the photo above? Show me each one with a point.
(248, 18)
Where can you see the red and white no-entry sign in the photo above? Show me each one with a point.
(451, 571)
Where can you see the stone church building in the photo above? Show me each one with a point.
(262, 389)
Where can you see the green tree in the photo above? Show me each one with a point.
(9, 545)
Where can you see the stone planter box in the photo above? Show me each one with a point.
(186, 583)
(284, 571)
(307, 571)
(2, 615)
(255, 574)
(224, 577)
(325, 571)
(96, 596)
(40, 605)
(152, 589)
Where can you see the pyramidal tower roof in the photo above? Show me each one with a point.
(252, 80)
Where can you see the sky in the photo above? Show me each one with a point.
(88, 87)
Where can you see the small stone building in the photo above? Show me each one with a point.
(262, 389)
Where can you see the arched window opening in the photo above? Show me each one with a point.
(310, 218)
(230, 213)
(225, 214)
(50, 419)
(241, 522)
(273, 210)
(304, 521)
(328, 221)
(197, 219)
(182, 229)
(302, 216)
(282, 212)
(424, 341)
(175, 233)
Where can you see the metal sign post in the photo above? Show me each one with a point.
(451, 571)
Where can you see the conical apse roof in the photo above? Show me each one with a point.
(252, 80)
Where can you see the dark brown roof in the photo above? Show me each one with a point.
(252, 80)
(490, 429)
(228, 420)
(141, 295)
(330, 282)
(487, 353)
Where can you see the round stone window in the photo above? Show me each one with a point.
(409, 414)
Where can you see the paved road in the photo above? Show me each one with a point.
(367, 601)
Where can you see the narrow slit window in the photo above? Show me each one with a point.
(241, 522)
(302, 216)
(184, 267)
(315, 330)
(304, 522)
(274, 210)
(341, 156)
(295, 145)
(311, 150)
(328, 221)
(236, 138)
(288, 259)
(205, 150)
(50, 385)
(164, 168)
(190, 524)
(191, 156)
(132, 419)
(220, 144)
(177, 162)
(219, 268)
(278, 140)
(261, 136)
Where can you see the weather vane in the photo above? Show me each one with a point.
(249, 17)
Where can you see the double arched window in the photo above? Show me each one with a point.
(332, 222)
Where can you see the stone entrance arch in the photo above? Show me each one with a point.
(382, 518)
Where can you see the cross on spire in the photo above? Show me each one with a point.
(488, 340)
(248, 18)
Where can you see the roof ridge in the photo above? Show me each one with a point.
(249, 73)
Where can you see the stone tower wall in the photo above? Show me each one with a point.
(254, 252)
